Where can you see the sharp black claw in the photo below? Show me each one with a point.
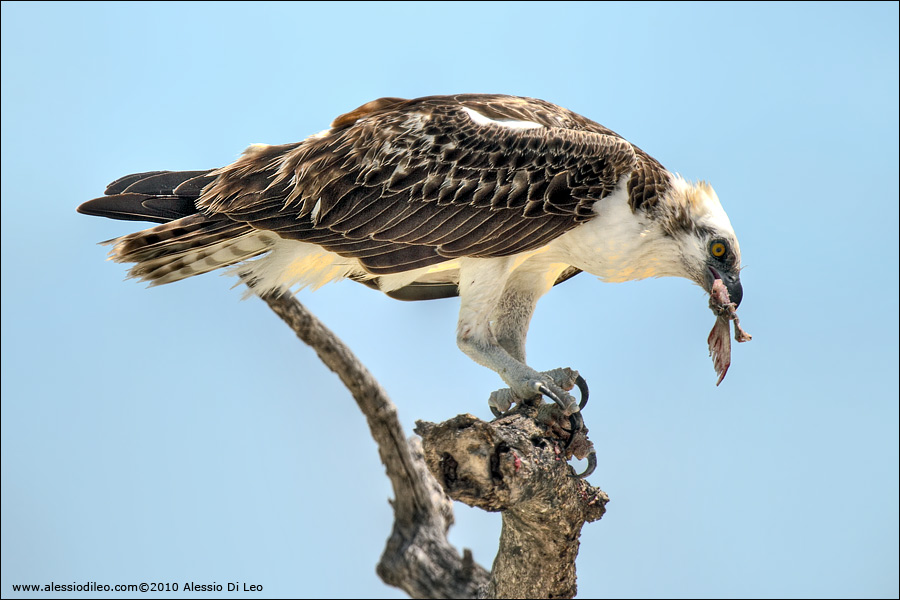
(583, 386)
(592, 464)
(577, 423)
(543, 389)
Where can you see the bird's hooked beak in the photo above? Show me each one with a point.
(732, 281)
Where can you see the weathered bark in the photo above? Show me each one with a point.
(513, 465)
(418, 558)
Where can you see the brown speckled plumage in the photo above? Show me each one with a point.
(494, 198)
(402, 184)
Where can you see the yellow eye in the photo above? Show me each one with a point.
(717, 249)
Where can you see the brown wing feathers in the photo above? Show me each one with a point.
(397, 184)
(417, 182)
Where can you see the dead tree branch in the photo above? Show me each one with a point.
(514, 465)
(418, 558)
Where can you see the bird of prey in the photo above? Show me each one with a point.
(491, 197)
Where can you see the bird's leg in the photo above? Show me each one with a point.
(510, 326)
(489, 292)
(512, 316)
(495, 311)
(509, 323)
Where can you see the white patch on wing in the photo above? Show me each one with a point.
(417, 121)
(479, 118)
(321, 134)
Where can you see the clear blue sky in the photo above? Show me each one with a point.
(180, 434)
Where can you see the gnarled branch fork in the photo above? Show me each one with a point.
(509, 465)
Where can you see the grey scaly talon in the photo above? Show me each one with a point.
(501, 401)
(553, 384)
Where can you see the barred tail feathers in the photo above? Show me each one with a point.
(189, 241)
(186, 247)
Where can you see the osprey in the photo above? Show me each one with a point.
(494, 198)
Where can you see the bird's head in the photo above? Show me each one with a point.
(693, 216)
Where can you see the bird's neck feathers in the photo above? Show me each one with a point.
(621, 244)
